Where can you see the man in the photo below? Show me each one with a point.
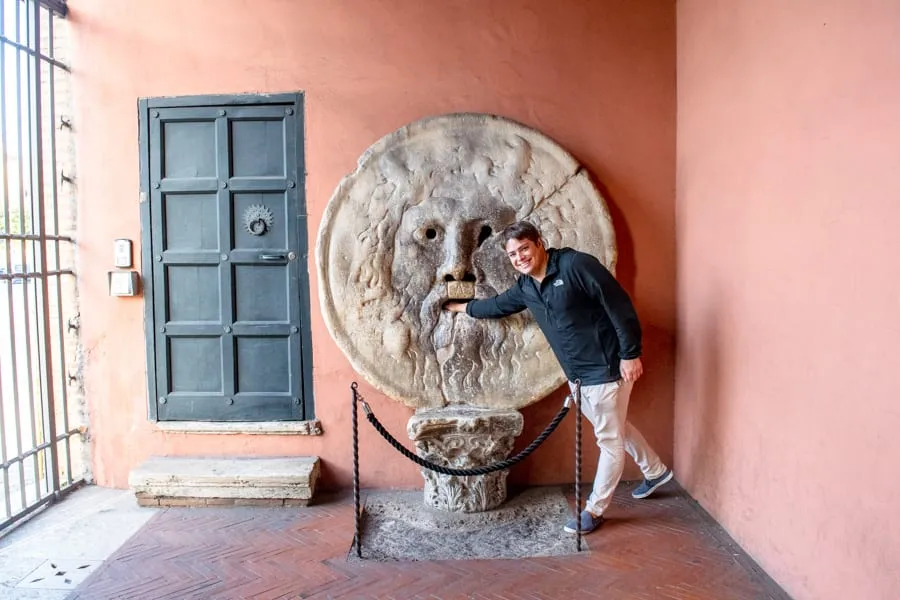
(595, 334)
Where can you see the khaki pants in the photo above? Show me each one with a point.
(606, 407)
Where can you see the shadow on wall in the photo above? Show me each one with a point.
(626, 268)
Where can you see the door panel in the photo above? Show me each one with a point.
(226, 224)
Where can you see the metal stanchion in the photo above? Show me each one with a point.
(578, 464)
(356, 512)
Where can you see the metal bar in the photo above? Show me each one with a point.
(6, 504)
(34, 237)
(49, 401)
(578, 465)
(28, 454)
(39, 448)
(7, 463)
(54, 191)
(357, 538)
(29, 51)
(28, 251)
(34, 275)
(12, 321)
(55, 6)
(5, 188)
(27, 22)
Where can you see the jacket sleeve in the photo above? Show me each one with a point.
(603, 287)
(508, 303)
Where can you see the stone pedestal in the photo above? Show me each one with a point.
(462, 437)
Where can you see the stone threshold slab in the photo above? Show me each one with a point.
(194, 502)
(223, 477)
(313, 427)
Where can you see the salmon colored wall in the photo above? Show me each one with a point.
(788, 208)
(599, 77)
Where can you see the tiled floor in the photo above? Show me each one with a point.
(48, 556)
(665, 547)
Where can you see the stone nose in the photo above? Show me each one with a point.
(459, 275)
(459, 278)
(457, 264)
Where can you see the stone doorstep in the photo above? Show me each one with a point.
(200, 481)
(144, 499)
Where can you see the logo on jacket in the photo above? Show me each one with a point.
(557, 283)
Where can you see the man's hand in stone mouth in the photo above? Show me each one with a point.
(455, 306)
(460, 290)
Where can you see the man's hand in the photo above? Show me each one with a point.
(631, 369)
(455, 306)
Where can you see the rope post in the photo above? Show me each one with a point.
(356, 512)
(578, 465)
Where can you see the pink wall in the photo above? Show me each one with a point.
(599, 77)
(788, 206)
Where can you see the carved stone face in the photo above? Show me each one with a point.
(417, 224)
(441, 242)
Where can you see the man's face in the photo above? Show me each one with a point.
(526, 256)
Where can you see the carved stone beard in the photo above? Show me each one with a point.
(467, 351)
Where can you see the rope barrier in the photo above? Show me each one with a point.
(474, 471)
(483, 470)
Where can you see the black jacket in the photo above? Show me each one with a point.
(586, 316)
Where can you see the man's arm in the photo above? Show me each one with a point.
(508, 303)
(602, 286)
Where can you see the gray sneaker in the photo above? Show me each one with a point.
(588, 523)
(648, 486)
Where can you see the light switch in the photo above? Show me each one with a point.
(123, 283)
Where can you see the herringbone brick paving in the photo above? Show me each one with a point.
(660, 548)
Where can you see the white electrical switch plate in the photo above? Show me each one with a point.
(122, 253)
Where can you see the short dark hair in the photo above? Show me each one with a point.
(520, 230)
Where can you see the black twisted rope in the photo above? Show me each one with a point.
(484, 470)
(356, 513)
(578, 465)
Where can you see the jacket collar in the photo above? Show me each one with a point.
(552, 263)
(552, 268)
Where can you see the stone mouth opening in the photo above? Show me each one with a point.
(461, 290)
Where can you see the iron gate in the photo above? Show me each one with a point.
(41, 445)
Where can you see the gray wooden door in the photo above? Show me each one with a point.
(226, 226)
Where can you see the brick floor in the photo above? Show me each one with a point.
(665, 547)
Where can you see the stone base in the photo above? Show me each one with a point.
(397, 527)
(462, 437)
(185, 481)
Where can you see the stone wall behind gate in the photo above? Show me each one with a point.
(597, 77)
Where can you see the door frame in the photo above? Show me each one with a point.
(145, 105)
